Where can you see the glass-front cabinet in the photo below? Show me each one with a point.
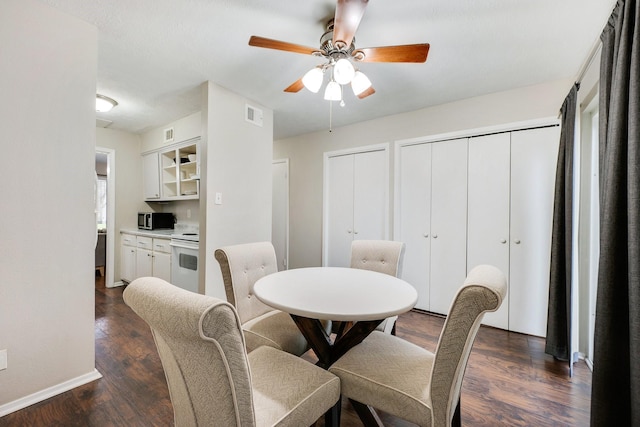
(177, 173)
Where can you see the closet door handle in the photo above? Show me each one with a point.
(435, 236)
(503, 241)
(517, 241)
(426, 234)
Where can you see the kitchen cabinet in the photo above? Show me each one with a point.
(431, 205)
(355, 205)
(175, 172)
(144, 256)
(151, 176)
(127, 257)
(511, 186)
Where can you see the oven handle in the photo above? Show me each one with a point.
(183, 245)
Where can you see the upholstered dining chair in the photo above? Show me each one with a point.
(400, 378)
(383, 256)
(242, 265)
(212, 380)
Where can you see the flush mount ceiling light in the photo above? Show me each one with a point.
(104, 103)
(337, 47)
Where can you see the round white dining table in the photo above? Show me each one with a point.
(358, 298)
(336, 293)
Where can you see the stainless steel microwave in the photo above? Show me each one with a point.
(155, 220)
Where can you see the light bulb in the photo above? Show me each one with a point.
(312, 80)
(360, 83)
(333, 92)
(343, 71)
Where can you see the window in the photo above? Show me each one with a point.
(101, 203)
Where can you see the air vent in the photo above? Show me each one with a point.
(168, 135)
(253, 115)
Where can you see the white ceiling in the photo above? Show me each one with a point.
(154, 54)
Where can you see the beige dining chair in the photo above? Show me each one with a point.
(402, 379)
(212, 380)
(383, 256)
(242, 265)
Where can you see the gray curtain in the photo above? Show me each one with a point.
(558, 341)
(615, 396)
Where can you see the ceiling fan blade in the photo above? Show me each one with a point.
(401, 53)
(279, 45)
(349, 13)
(367, 92)
(295, 86)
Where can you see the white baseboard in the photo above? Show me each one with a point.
(116, 284)
(55, 390)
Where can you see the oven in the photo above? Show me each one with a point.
(184, 261)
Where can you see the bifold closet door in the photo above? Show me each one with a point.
(413, 221)
(356, 203)
(339, 210)
(448, 263)
(534, 156)
(488, 213)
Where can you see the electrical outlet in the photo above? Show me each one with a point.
(3, 359)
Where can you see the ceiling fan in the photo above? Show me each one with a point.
(337, 46)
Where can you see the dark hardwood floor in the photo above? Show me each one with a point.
(509, 381)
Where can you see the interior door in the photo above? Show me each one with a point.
(413, 202)
(370, 184)
(280, 212)
(339, 211)
(488, 213)
(448, 222)
(534, 155)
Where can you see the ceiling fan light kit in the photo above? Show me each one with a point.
(337, 46)
(312, 80)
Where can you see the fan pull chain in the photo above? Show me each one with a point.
(330, 115)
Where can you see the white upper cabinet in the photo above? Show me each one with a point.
(172, 173)
(151, 176)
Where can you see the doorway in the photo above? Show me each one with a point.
(105, 208)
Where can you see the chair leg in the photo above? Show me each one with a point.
(332, 416)
(457, 418)
(367, 414)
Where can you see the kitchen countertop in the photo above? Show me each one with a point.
(158, 234)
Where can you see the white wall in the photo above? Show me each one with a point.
(183, 129)
(128, 183)
(47, 117)
(305, 152)
(236, 162)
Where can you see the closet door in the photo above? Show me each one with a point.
(533, 164)
(355, 203)
(448, 222)
(488, 212)
(339, 211)
(413, 216)
(370, 187)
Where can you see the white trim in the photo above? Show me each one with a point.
(117, 284)
(55, 390)
(111, 214)
(287, 225)
(468, 133)
(325, 196)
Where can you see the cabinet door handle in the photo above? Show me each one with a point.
(435, 236)
(349, 230)
(355, 232)
(517, 241)
(503, 241)
(426, 234)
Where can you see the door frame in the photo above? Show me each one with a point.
(111, 214)
(287, 195)
(327, 155)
